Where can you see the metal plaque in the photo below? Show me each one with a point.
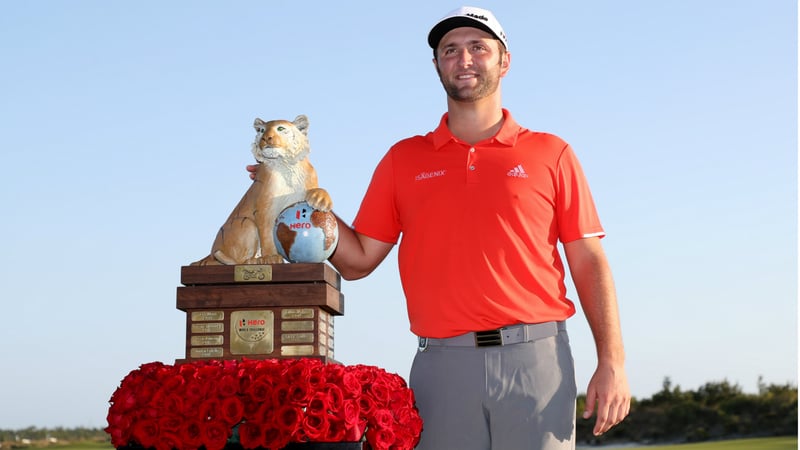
(297, 313)
(297, 325)
(297, 338)
(252, 272)
(207, 339)
(252, 332)
(207, 316)
(297, 350)
(206, 352)
(216, 327)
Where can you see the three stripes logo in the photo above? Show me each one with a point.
(517, 172)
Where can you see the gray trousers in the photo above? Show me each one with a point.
(510, 397)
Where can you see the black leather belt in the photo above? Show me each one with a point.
(513, 334)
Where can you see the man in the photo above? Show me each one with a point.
(481, 204)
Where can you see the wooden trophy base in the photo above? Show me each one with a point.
(260, 311)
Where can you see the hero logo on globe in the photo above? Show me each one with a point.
(303, 234)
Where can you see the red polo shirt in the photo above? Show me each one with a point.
(479, 226)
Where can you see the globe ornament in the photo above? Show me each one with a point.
(305, 235)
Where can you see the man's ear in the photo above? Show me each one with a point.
(505, 62)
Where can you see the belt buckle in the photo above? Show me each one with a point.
(488, 338)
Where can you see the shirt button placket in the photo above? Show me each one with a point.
(471, 172)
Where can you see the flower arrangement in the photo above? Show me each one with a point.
(261, 404)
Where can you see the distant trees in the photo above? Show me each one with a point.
(13, 438)
(714, 411)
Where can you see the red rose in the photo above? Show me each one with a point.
(336, 429)
(367, 405)
(169, 404)
(228, 386)
(215, 434)
(194, 392)
(404, 440)
(299, 392)
(335, 397)
(315, 426)
(355, 432)
(351, 385)
(299, 369)
(380, 392)
(191, 434)
(260, 390)
(318, 404)
(351, 412)
(210, 410)
(409, 418)
(280, 394)
(251, 435)
(232, 411)
(119, 428)
(316, 377)
(145, 432)
(380, 439)
(169, 422)
(274, 437)
(168, 441)
(365, 374)
(334, 373)
(382, 419)
(288, 418)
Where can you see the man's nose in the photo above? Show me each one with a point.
(464, 57)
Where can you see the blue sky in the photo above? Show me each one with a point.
(125, 128)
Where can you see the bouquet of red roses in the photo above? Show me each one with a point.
(261, 404)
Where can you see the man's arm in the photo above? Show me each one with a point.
(356, 255)
(608, 389)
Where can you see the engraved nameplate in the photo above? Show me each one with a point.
(213, 339)
(297, 313)
(252, 332)
(298, 325)
(207, 316)
(250, 273)
(206, 352)
(297, 338)
(216, 327)
(297, 350)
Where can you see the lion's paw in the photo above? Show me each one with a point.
(319, 199)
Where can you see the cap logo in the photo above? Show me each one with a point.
(475, 16)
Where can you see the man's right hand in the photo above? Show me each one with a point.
(252, 169)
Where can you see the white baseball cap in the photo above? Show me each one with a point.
(467, 16)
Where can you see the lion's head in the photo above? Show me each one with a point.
(280, 142)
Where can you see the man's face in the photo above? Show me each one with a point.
(470, 64)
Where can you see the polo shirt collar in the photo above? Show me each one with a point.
(507, 135)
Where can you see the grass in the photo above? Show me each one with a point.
(772, 443)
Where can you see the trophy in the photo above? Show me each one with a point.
(243, 300)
